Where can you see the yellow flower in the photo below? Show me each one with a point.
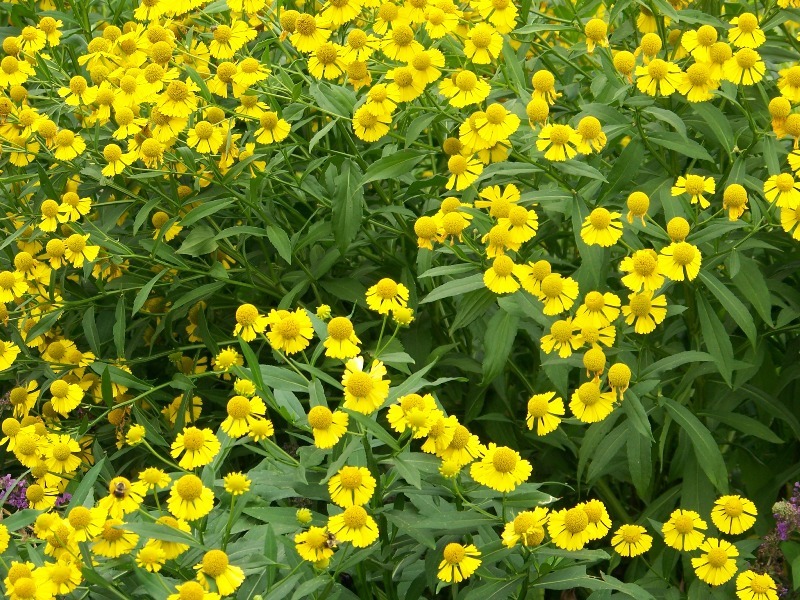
(440, 434)
(718, 562)
(783, 189)
(216, 566)
(463, 88)
(734, 200)
(414, 412)
(326, 426)
(598, 310)
(172, 549)
(527, 527)
(189, 499)
(464, 447)
(354, 525)
(645, 311)
(399, 43)
(590, 404)
(8, 354)
(114, 540)
(745, 32)
(249, 322)
(150, 557)
(499, 278)
(359, 46)
(557, 293)
(562, 337)
(501, 469)
(273, 129)
(313, 545)
(497, 123)
(369, 126)
(499, 202)
(242, 412)
(733, 514)
(364, 391)
(683, 530)
(427, 230)
(236, 484)
(230, 38)
(123, 497)
(631, 540)
(387, 295)
(643, 271)
(696, 186)
(698, 43)
(198, 446)
(205, 138)
(745, 67)
(483, 44)
(545, 411)
(14, 71)
(65, 397)
(459, 562)
(62, 454)
(638, 203)
(61, 577)
(559, 141)
(756, 586)
(544, 83)
(522, 224)
(601, 228)
(351, 486)
(679, 259)
(568, 528)
(192, 589)
(154, 478)
(790, 217)
(289, 332)
(326, 61)
(697, 83)
(658, 78)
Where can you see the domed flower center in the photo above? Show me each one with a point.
(499, 236)
(159, 219)
(71, 198)
(735, 195)
(402, 35)
(24, 588)
(416, 418)
(238, 407)
(388, 12)
(10, 65)
(193, 439)
(594, 360)
(246, 314)
(589, 128)
(412, 401)
(543, 81)
(356, 39)
(76, 243)
(684, 253)
(638, 203)
(717, 557)
(215, 563)
(65, 138)
(128, 84)
(55, 248)
(466, 81)
(403, 77)
(504, 460)
(287, 327)
(706, 35)
(366, 119)
(481, 36)
(320, 417)
(495, 114)
(698, 74)
(600, 218)
(640, 305)
(594, 511)
(644, 263)
(421, 61)
(503, 266)
(619, 375)
(560, 134)
(720, 53)
(683, 524)
(541, 269)
(561, 331)
(748, 22)
(386, 288)
(59, 389)
(576, 520)
(360, 384)
(436, 15)
(177, 91)
(340, 328)
(223, 34)
(518, 216)
(204, 130)
(523, 522)
(746, 58)
(657, 69)
(500, 4)
(694, 185)
(61, 451)
(596, 29)
(351, 478)
(19, 395)
(733, 507)
(589, 393)
(784, 182)
(630, 533)
(189, 487)
(760, 584)
(595, 301)
(80, 517)
(552, 285)
(34, 493)
(27, 445)
(306, 25)
(461, 438)
(425, 227)
(327, 54)
(454, 553)
(355, 517)
(538, 406)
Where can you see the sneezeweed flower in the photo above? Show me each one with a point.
(659, 78)
(114, 540)
(527, 528)
(733, 514)
(532, 275)
(638, 203)
(227, 358)
(65, 397)
(568, 528)
(172, 549)
(160, 220)
(427, 230)
(62, 454)
(631, 540)
(558, 142)
(684, 530)
(562, 337)
(624, 63)
(592, 137)
(192, 589)
(544, 86)
(464, 171)
(645, 311)
(312, 545)
(351, 486)
(497, 123)
(522, 223)
(326, 426)
(745, 32)
(594, 361)
(78, 250)
(273, 129)
(734, 200)
(483, 44)
(498, 240)
(364, 391)
(501, 469)
(408, 408)
(696, 83)
(216, 567)
(650, 46)
(596, 31)
(459, 562)
(440, 433)
(544, 411)
(790, 217)
(304, 516)
(717, 563)
(123, 497)
(789, 86)
(260, 429)
(599, 521)
(154, 478)
(602, 228)
(619, 377)
(678, 260)
(745, 67)
(756, 586)
(236, 484)
(369, 126)
(326, 61)
(464, 447)
(696, 186)
(590, 404)
(643, 271)
(8, 354)
(500, 277)
(151, 558)
(698, 42)
(289, 332)
(342, 341)
(783, 189)
(62, 576)
(198, 446)
(242, 411)
(309, 33)
(598, 310)
(557, 293)
(249, 322)
(189, 499)
(387, 295)
(354, 525)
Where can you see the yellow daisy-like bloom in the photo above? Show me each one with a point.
(568, 528)
(558, 293)
(532, 275)
(440, 433)
(77, 251)
(464, 171)
(463, 88)
(399, 43)
(527, 528)
(497, 241)
(521, 222)
(61, 577)
(497, 123)
(172, 549)
(249, 322)
(679, 259)
(189, 499)
(483, 44)
(198, 446)
(598, 310)
(386, 296)
(272, 128)
(8, 354)
(645, 311)
(326, 61)
(631, 540)
(113, 540)
(464, 447)
(86, 523)
(216, 566)
(756, 586)
(313, 545)
(718, 562)
(590, 404)
(789, 85)
(599, 521)
(733, 514)
(351, 486)
(368, 126)
(592, 137)
(342, 341)
(734, 200)
(790, 217)
(289, 332)
(658, 78)
(364, 391)
(242, 412)
(400, 413)
(744, 68)
(745, 32)
(698, 43)
(544, 411)
(236, 484)
(501, 469)
(428, 230)
(696, 186)
(62, 454)
(354, 525)
(783, 189)
(359, 46)
(697, 83)
(309, 33)
(154, 478)
(544, 86)
(150, 558)
(562, 337)
(684, 530)
(326, 426)
(643, 271)
(638, 203)
(499, 278)
(619, 377)
(205, 138)
(65, 397)
(459, 562)
(602, 228)
(596, 32)
(230, 38)
(192, 590)
(558, 142)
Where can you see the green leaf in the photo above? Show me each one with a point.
(156, 531)
(706, 450)
(206, 209)
(471, 306)
(676, 360)
(455, 287)
(392, 166)
(20, 519)
(374, 428)
(734, 307)
(81, 493)
(568, 579)
(640, 462)
(715, 338)
(120, 327)
(624, 169)
(500, 334)
(607, 450)
(200, 241)
(408, 472)
(718, 123)
(631, 590)
(142, 294)
(90, 330)
(745, 424)
(197, 294)
(667, 116)
(347, 205)
(280, 239)
(494, 590)
(637, 416)
(750, 281)
(674, 141)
